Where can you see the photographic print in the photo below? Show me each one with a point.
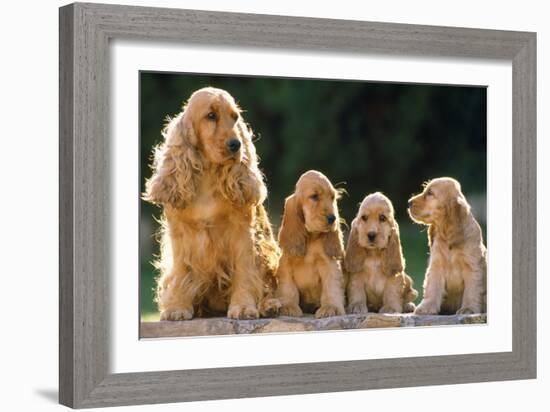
(293, 205)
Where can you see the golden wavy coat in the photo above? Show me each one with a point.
(374, 261)
(455, 280)
(310, 275)
(218, 254)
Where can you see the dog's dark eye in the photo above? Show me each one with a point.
(429, 192)
(211, 116)
(382, 218)
(364, 218)
(314, 197)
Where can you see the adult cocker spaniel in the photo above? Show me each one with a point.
(310, 275)
(218, 254)
(455, 280)
(374, 261)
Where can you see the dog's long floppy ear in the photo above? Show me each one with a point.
(333, 243)
(393, 261)
(355, 253)
(292, 235)
(176, 165)
(456, 211)
(254, 188)
(249, 156)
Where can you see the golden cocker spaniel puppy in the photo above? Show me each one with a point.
(218, 254)
(455, 280)
(310, 275)
(374, 261)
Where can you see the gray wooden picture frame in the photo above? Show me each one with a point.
(85, 32)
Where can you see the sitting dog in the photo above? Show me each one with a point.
(374, 261)
(455, 281)
(310, 276)
(218, 254)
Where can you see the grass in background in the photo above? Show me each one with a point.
(148, 307)
(414, 241)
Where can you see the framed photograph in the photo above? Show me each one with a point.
(242, 196)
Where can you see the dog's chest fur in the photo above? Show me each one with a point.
(203, 234)
(375, 280)
(207, 208)
(451, 263)
(307, 274)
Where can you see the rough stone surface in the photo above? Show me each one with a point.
(283, 324)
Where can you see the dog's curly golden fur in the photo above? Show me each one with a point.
(374, 261)
(455, 280)
(310, 275)
(218, 254)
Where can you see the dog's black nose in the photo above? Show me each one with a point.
(330, 219)
(233, 145)
(371, 236)
(410, 203)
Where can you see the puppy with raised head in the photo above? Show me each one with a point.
(455, 280)
(374, 261)
(310, 276)
(218, 254)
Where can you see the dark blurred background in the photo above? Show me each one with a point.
(363, 136)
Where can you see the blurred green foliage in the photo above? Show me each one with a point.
(365, 136)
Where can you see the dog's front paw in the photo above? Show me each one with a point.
(409, 307)
(269, 308)
(237, 311)
(466, 310)
(426, 308)
(326, 311)
(387, 309)
(176, 314)
(359, 308)
(291, 310)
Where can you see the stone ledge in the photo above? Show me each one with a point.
(283, 324)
